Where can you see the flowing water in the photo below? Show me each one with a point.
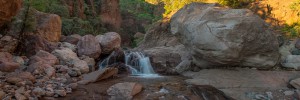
(136, 62)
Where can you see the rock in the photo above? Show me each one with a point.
(38, 92)
(287, 93)
(295, 83)
(16, 77)
(6, 57)
(124, 90)
(183, 66)
(82, 66)
(295, 51)
(20, 96)
(292, 61)
(9, 8)
(66, 56)
(73, 39)
(208, 92)
(48, 26)
(68, 45)
(2, 94)
(50, 71)
(90, 61)
(8, 66)
(38, 67)
(109, 42)
(60, 92)
(63, 69)
(73, 86)
(110, 14)
(19, 60)
(6, 62)
(45, 57)
(74, 72)
(297, 44)
(89, 46)
(218, 36)
(34, 43)
(165, 59)
(285, 51)
(98, 75)
(8, 44)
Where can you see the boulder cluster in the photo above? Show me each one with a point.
(53, 73)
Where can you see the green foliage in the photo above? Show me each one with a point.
(140, 9)
(79, 26)
(292, 30)
(40, 5)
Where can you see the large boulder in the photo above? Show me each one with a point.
(218, 36)
(89, 46)
(48, 26)
(8, 9)
(109, 42)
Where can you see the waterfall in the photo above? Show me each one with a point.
(136, 62)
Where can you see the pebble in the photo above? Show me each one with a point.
(38, 92)
(60, 92)
(287, 93)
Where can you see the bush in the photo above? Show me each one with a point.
(79, 26)
(292, 30)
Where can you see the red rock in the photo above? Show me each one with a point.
(124, 90)
(98, 75)
(8, 66)
(110, 14)
(45, 57)
(8, 9)
(16, 77)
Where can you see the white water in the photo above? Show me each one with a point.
(137, 63)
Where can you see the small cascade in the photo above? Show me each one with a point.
(136, 62)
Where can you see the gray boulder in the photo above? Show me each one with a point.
(218, 36)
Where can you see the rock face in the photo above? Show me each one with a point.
(89, 46)
(124, 91)
(109, 42)
(218, 36)
(48, 26)
(8, 9)
(110, 14)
